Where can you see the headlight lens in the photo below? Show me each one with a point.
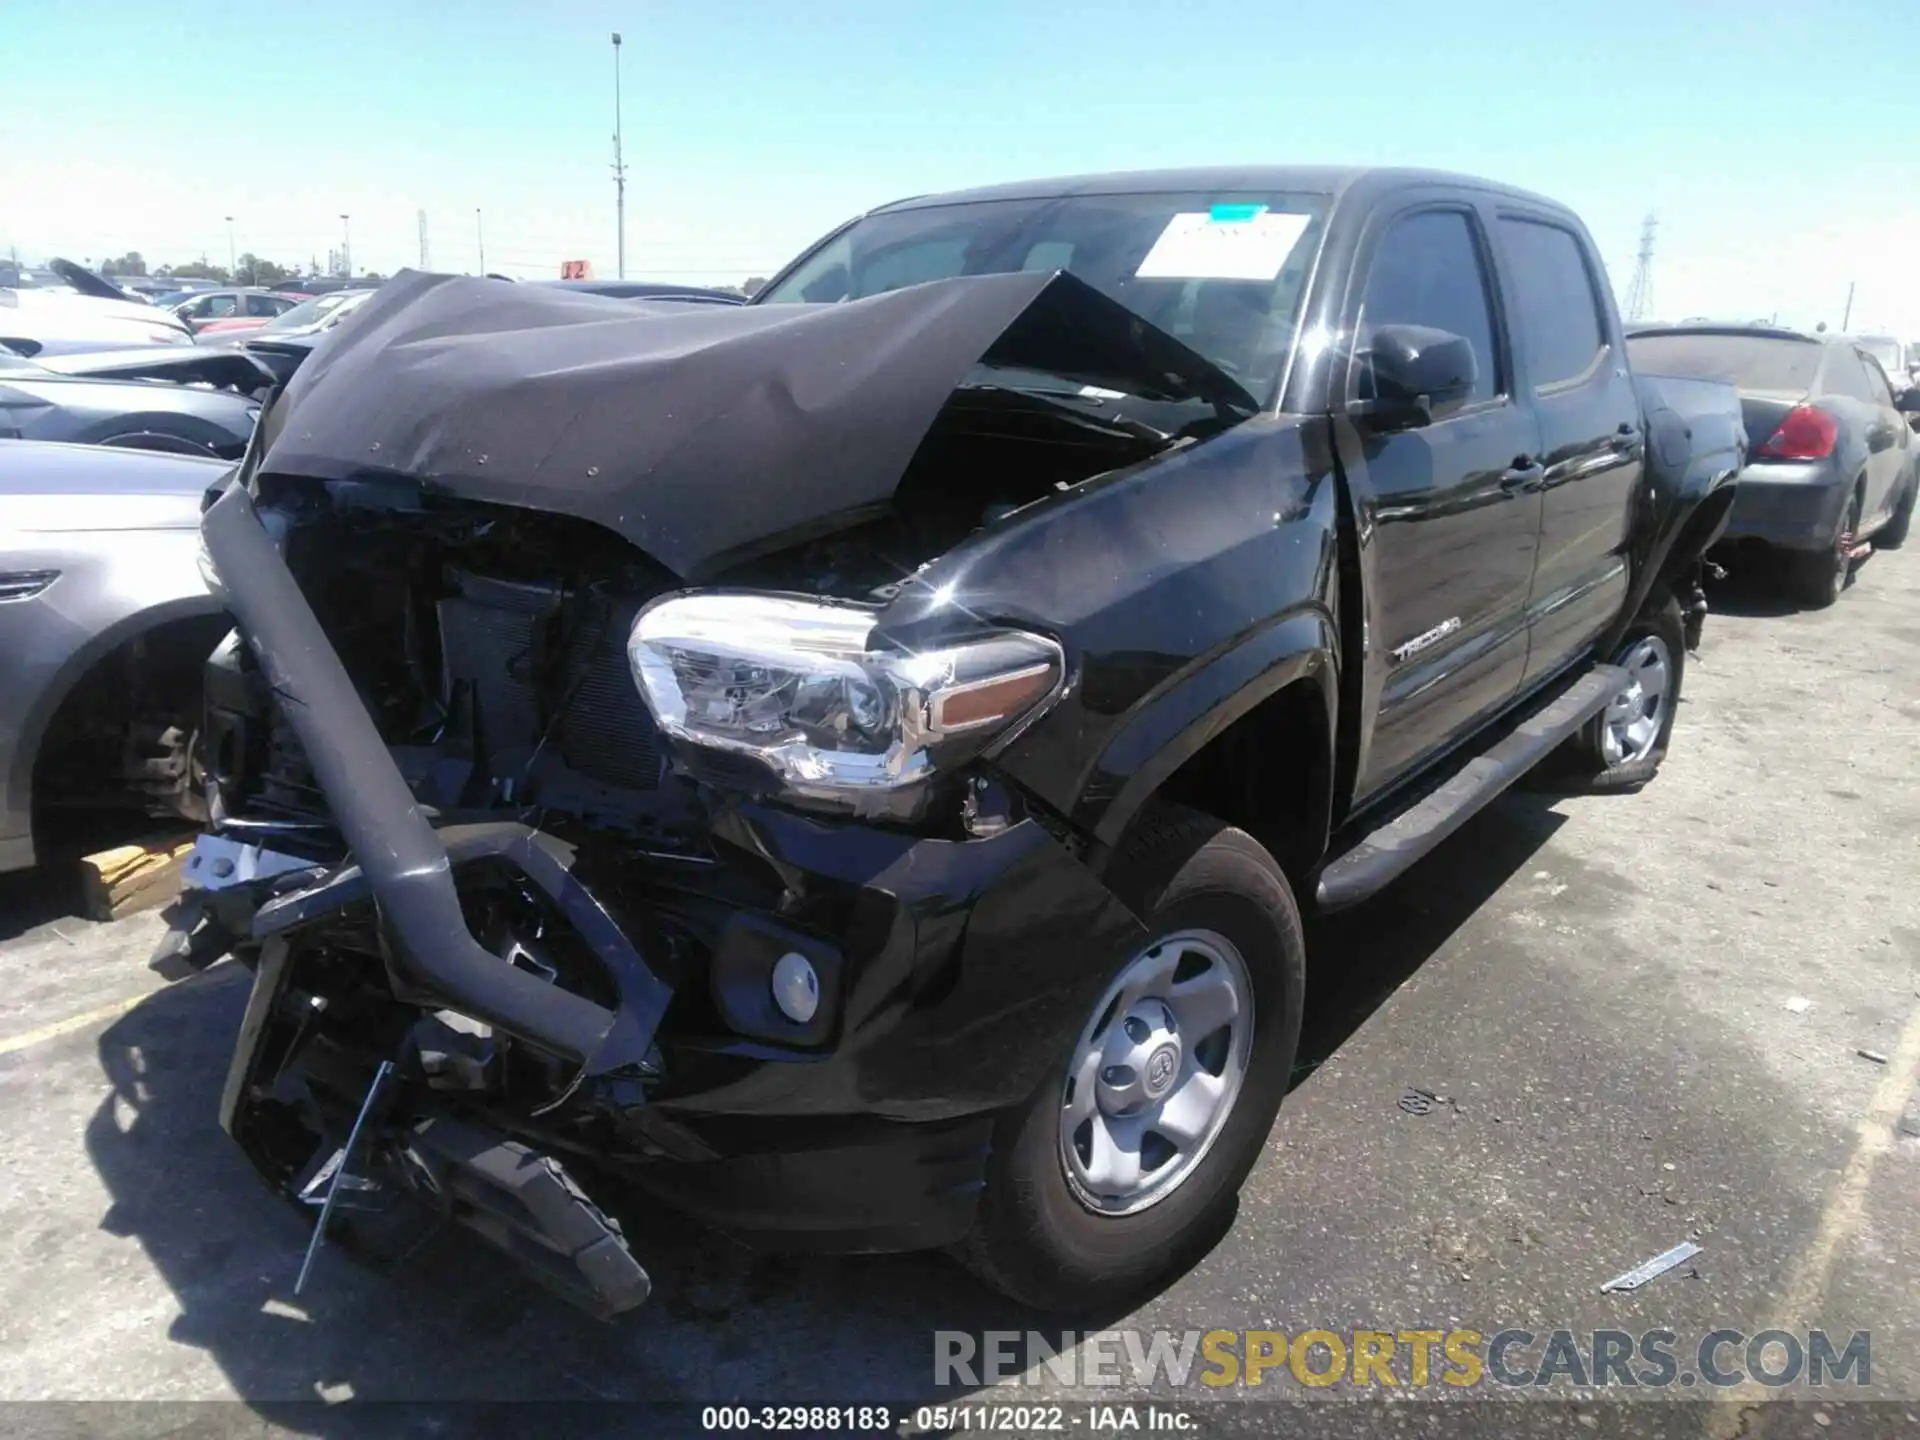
(793, 684)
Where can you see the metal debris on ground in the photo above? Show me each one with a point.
(1874, 1055)
(1659, 1265)
(1421, 1102)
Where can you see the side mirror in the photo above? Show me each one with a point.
(1411, 372)
(1907, 401)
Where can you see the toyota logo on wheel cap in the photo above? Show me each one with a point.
(1160, 1067)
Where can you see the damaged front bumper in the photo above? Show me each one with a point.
(611, 1023)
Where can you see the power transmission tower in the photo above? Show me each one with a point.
(619, 172)
(1640, 293)
(424, 264)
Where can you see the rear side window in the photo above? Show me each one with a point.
(1878, 390)
(1427, 271)
(1746, 362)
(1846, 374)
(1559, 309)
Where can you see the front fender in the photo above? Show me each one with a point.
(1180, 720)
(1183, 591)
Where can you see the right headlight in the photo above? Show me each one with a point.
(796, 685)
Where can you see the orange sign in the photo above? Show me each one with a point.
(576, 270)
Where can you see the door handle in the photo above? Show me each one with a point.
(1526, 474)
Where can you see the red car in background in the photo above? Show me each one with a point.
(247, 308)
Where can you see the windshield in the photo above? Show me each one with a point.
(1223, 273)
(1746, 362)
(1885, 349)
(312, 312)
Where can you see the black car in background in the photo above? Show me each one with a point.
(1832, 463)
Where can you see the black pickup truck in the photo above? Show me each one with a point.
(852, 764)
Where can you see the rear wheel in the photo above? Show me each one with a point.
(1621, 748)
(1817, 577)
(1126, 1160)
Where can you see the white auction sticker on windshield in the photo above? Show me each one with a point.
(1228, 242)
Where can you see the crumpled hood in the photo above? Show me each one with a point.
(703, 434)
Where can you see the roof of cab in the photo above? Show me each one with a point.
(1331, 180)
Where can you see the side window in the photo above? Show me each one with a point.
(1428, 271)
(1877, 386)
(261, 305)
(218, 307)
(1846, 374)
(1558, 309)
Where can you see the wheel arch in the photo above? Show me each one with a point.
(100, 649)
(1247, 738)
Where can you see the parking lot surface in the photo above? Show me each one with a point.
(1637, 1020)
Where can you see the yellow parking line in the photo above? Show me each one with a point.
(72, 1023)
(12, 1044)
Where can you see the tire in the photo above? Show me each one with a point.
(1608, 755)
(1816, 578)
(1893, 534)
(1040, 1237)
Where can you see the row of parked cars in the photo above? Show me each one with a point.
(853, 763)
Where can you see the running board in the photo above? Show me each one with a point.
(1389, 851)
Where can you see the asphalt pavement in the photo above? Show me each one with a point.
(1585, 1031)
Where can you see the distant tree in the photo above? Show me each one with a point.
(255, 271)
(200, 270)
(752, 285)
(130, 263)
(371, 275)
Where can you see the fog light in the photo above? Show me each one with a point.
(796, 989)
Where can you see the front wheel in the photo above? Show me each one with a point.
(1128, 1157)
(1893, 534)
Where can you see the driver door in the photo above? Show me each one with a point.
(1449, 510)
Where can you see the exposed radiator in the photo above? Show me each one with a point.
(495, 634)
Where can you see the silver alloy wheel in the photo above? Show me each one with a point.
(1156, 1072)
(1631, 724)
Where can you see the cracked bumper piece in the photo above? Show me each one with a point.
(616, 1033)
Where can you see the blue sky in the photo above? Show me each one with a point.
(1781, 151)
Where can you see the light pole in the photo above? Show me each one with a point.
(619, 170)
(1847, 318)
(346, 247)
(233, 265)
(480, 239)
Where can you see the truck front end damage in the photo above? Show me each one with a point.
(560, 885)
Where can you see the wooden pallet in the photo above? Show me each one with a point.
(139, 876)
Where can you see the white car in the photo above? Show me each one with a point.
(1899, 358)
(52, 322)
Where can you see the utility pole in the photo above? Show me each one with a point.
(1844, 319)
(619, 171)
(480, 238)
(423, 241)
(233, 264)
(1640, 293)
(346, 248)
